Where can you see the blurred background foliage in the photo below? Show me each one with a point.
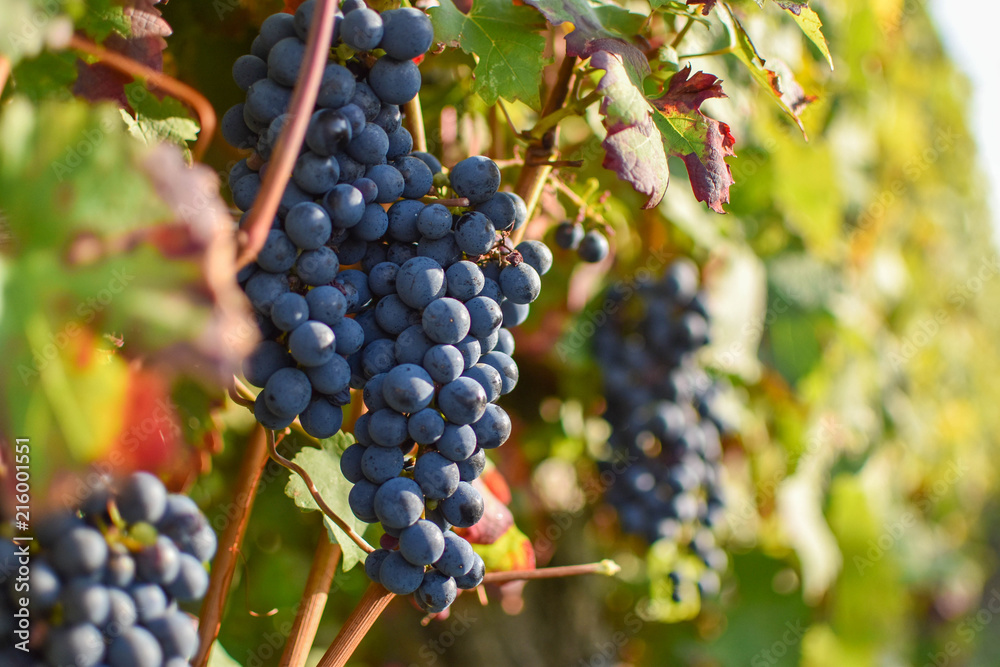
(855, 302)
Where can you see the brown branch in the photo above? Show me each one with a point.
(326, 509)
(171, 86)
(606, 567)
(254, 459)
(4, 72)
(258, 222)
(357, 625)
(533, 175)
(310, 611)
(414, 120)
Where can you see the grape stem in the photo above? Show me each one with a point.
(224, 564)
(4, 72)
(414, 119)
(585, 207)
(312, 604)
(168, 84)
(546, 123)
(682, 33)
(606, 567)
(326, 509)
(536, 170)
(357, 625)
(258, 224)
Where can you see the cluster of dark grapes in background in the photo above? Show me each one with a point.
(422, 325)
(104, 586)
(590, 246)
(666, 427)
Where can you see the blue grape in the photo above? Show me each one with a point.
(336, 87)
(507, 368)
(489, 379)
(238, 134)
(470, 350)
(520, 284)
(399, 503)
(472, 467)
(303, 18)
(400, 253)
(394, 316)
(374, 222)
(78, 645)
(422, 543)
(275, 28)
(474, 233)
(389, 181)
(485, 316)
(593, 247)
(387, 428)
(491, 288)
(477, 178)
(417, 176)
(150, 601)
(289, 311)
(312, 344)
(457, 557)
(287, 392)
(426, 426)
(321, 419)
(285, 60)
(329, 131)
(407, 32)
(135, 647)
(389, 118)
(419, 282)
(411, 345)
(437, 591)
(45, 585)
(465, 280)
(457, 443)
(142, 497)
(268, 418)
(350, 462)
(123, 613)
(445, 320)
(159, 563)
(437, 476)
(315, 174)
(373, 563)
(355, 113)
(372, 393)
(568, 235)
(429, 160)
(475, 575)
(464, 507)
(370, 145)
(362, 500)
(493, 428)
(362, 29)
(444, 363)
(500, 209)
(399, 575)
(317, 267)
(487, 343)
(327, 304)
(290, 197)
(380, 464)
(350, 336)
(278, 254)
(85, 602)
(184, 523)
(345, 204)
(368, 189)
(192, 581)
(505, 341)
(248, 70)
(176, 634)
(434, 221)
(378, 357)
(408, 388)
(81, 551)
(266, 100)
(514, 314)
(444, 251)
(403, 220)
(462, 401)
(536, 255)
(400, 145)
(394, 81)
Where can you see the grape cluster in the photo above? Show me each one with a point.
(422, 325)
(663, 412)
(102, 586)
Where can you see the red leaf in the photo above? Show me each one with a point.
(707, 5)
(710, 180)
(687, 94)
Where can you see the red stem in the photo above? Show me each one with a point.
(282, 162)
(300, 639)
(357, 625)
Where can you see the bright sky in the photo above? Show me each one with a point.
(968, 30)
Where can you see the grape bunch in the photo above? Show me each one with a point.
(590, 246)
(665, 424)
(421, 325)
(103, 582)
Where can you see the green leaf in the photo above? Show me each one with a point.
(512, 551)
(506, 43)
(158, 119)
(50, 75)
(810, 24)
(781, 86)
(323, 466)
(219, 657)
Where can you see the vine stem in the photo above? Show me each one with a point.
(680, 35)
(168, 84)
(261, 215)
(606, 567)
(536, 168)
(224, 565)
(546, 123)
(357, 625)
(4, 72)
(310, 611)
(415, 123)
(326, 509)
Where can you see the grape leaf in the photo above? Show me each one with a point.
(156, 119)
(794, 6)
(706, 5)
(781, 85)
(323, 466)
(505, 42)
(702, 142)
(633, 146)
(812, 27)
(511, 551)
